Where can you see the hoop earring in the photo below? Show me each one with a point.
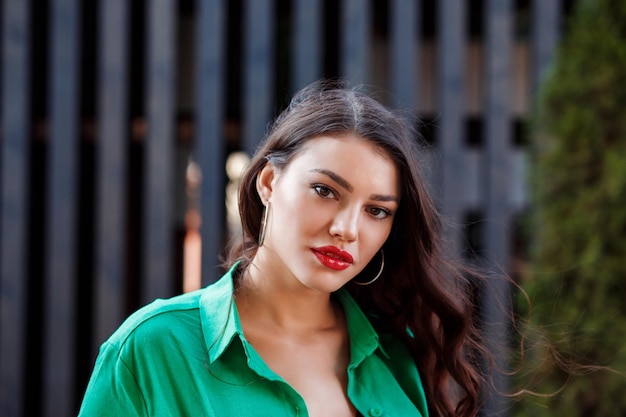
(382, 266)
(264, 224)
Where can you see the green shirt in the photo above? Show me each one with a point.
(188, 356)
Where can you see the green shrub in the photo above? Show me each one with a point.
(577, 282)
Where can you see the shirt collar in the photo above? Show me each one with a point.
(220, 321)
(218, 315)
(364, 339)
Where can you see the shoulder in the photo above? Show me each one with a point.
(137, 356)
(178, 322)
(163, 318)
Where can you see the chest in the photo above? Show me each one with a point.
(315, 366)
(241, 383)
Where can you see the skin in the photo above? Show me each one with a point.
(340, 191)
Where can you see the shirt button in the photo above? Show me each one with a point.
(376, 412)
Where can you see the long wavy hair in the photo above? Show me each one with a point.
(422, 297)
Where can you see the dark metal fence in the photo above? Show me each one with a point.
(101, 100)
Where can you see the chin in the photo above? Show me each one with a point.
(328, 284)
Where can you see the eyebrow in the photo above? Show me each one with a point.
(346, 185)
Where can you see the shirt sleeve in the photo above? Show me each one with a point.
(112, 389)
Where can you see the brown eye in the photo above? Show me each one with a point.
(324, 191)
(379, 212)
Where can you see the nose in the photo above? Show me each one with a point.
(345, 224)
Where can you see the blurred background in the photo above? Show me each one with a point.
(125, 126)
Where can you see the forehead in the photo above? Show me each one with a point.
(326, 143)
(351, 156)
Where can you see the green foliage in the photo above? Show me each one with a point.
(578, 281)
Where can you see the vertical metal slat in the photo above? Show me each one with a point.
(258, 61)
(15, 119)
(404, 26)
(546, 18)
(209, 128)
(158, 205)
(307, 39)
(62, 199)
(498, 131)
(112, 135)
(451, 52)
(354, 59)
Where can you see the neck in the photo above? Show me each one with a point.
(272, 298)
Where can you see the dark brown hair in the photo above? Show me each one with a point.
(422, 297)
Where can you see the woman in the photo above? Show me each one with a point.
(338, 301)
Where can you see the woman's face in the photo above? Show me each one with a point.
(332, 208)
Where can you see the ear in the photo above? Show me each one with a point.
(265, 182)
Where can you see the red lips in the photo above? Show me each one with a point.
(332, 257)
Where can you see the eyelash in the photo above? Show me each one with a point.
(320, 189)
(379, 213)
(385, 213)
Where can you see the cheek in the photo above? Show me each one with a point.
(302, 216)
(375, 235)
(291, 212)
